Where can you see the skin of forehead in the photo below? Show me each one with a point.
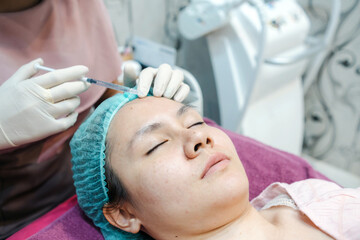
(148, 105)
(137, 108)
(151, 103)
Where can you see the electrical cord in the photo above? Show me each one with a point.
(318, 146)
(344, 16)
(259, 6)
(309, 77)
(317, 14)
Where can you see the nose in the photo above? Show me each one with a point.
(195, 142)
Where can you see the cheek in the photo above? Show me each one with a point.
(222, 139)
(164, 179)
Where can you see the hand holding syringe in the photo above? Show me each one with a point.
(93, 81)
(41, 106)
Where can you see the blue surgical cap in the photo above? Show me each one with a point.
(88, 161)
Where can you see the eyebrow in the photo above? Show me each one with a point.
(156, 125)
(182, 110)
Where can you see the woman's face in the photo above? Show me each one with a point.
(182, 174)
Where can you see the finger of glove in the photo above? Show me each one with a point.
(130, 75)
(162, 79)
(67, 90)
(57, 77)
(64, 108)
(182, 92)
(66, 122)
(145, 80)
(26, 71)
(177, 78)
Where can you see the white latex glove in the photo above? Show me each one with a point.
(32, 108)
(166, 82)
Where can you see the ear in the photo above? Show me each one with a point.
(122, 217)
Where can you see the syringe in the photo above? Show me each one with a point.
(94, 81)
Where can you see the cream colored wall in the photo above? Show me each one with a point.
(148, 19)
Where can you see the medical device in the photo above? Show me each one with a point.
(259, 50)
(203, 17)
(94, 81)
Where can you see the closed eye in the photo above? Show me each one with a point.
(197, 123)
(155, 147)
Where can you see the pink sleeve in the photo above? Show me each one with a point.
(332, 209)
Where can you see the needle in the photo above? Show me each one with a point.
(94, 81)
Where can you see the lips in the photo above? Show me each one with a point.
(216, 162)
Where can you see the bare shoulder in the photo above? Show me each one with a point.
(293, 223)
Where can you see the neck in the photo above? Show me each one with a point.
(17, 5)
(250, 225)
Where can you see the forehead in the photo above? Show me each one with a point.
(149, 105)
(138, 112)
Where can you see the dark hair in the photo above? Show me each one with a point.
(117, 192)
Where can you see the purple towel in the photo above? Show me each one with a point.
(263, 164)
(71, 225)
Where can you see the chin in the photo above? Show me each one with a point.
(232, 186)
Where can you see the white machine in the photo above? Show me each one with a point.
(259, 50)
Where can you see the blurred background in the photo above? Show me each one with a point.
(284, 72)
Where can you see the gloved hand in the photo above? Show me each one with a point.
(32, 108)
(166, 82)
